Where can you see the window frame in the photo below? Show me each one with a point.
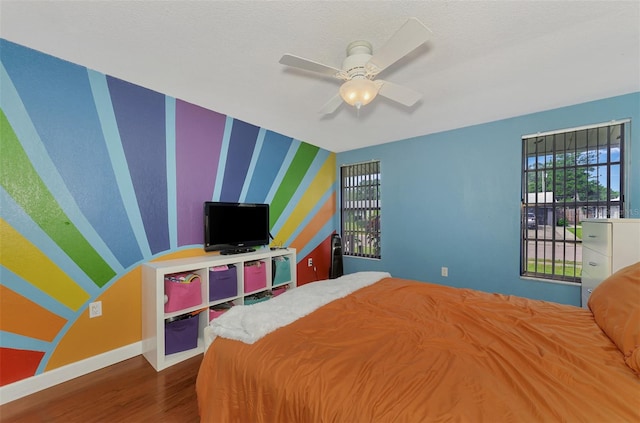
(576, 161)
(360, 217)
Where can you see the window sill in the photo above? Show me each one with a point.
(361, 257)
(554, 281)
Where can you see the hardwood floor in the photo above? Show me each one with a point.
(130, 391)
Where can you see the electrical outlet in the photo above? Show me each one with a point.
(445, 271)
(95, 309)
(310, 262)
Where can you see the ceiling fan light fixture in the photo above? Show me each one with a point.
(359, 92)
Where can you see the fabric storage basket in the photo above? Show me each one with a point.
(254, 299)
(281, 270)
(216, 313)
(255, 276)
(219, 309)
(277, 291)
(181, 335)
(181, 292)
(223, 283)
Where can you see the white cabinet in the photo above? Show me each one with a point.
(607, 246)
(154, 317)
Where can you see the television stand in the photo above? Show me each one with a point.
(237, 251)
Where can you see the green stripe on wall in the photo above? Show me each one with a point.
(23, 184)
(292, 179)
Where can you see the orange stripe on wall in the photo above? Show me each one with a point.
(18, 314)
(319, 220)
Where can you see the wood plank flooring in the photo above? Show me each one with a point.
(130, 391)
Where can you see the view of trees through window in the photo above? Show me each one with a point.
(567, 177)
(360, 189)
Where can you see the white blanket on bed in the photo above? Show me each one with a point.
(249, 323)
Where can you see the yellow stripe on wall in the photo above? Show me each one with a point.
(322, 182)
(18, 313)
(25, 260)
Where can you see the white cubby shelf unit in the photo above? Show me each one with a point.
(154, 316)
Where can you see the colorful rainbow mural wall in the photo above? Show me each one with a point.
(98, 175)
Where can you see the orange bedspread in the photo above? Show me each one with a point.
(407, 351)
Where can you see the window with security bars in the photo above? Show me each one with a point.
(568, 176)
(360, 206)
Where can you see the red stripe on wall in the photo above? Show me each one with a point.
(18, 364)
(321, 256)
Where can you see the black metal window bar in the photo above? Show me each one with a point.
(360, 206)
(568, 176)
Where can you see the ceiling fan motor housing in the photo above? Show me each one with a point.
(358, 54)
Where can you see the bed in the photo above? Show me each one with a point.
(391, 349)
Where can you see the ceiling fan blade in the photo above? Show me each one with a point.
(398, 93)
(309, 65)
(411, 35)
(331, 105)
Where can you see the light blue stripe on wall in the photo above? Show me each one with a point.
(222, 163)
(19, 342)
(291, 153)
(172, 191)
(252, 165)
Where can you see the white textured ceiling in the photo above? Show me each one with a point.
(487, 60)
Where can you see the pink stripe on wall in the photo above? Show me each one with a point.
(199, 135)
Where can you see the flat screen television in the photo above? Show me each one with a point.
(235, 227)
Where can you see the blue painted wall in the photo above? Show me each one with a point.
(453, 199)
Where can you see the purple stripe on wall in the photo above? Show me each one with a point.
(199, 134)
(241, 146)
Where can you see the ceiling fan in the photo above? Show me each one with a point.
(361, 66)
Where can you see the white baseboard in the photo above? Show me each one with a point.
(45, 380)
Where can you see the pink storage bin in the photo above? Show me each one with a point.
(216, 313)
(277, 291)
(255, 276)
(181, 296)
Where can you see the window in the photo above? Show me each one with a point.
(567, 177)
(360, 188)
